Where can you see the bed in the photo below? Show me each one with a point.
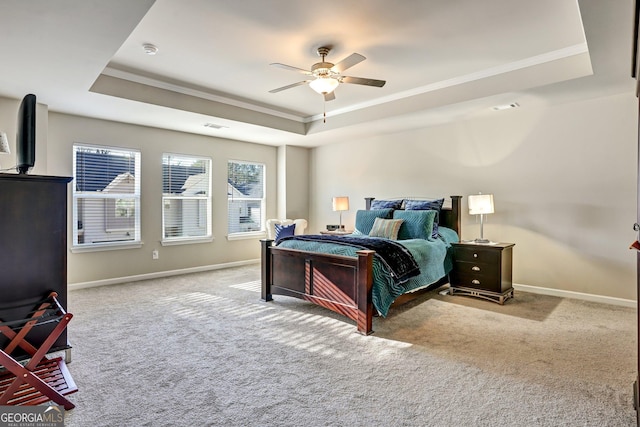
(344, 274)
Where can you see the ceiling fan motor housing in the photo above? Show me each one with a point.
(322, 69)
(323, 51)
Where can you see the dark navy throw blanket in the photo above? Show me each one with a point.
(396, 257)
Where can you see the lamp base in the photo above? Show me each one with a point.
(482, 241)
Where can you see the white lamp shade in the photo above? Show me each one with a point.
(324, 85)
(4, 143)
(481, 204)
(341, 203)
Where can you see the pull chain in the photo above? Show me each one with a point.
(324, 108)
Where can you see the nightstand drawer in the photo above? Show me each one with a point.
(475, 280)
(476, 254)
(480, 268)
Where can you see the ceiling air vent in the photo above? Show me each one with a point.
(506, 106)
(215, 126)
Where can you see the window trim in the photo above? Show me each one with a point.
(98, 247)
(247, 235)
(185, 240)
(136, 242)
(240, 235)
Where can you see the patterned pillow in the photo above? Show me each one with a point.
(365, 219)
(416, 225)
(284, 231)
(423, 205)
(427, 205)
(386, 204)
(386, 228)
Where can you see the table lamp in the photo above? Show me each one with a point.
(481, 204)
(340, 204)
(4, 143)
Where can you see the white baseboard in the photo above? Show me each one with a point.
(519, 287)
(156, 275)
(575, 295)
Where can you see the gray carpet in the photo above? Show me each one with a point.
(203, 350)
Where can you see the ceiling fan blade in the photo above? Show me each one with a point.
(290, 68)
(329, 96)
(280, 89)
(348, 62)
(362, 81)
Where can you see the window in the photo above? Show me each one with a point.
(106, 196)
(186, 198)
(245, 194)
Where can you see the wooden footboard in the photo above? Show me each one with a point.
(340, 283)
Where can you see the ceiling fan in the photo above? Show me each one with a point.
(324, 77)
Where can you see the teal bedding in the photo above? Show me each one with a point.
(433, 256)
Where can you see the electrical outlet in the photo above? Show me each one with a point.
(155, 254)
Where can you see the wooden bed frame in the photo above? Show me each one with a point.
(340, 283)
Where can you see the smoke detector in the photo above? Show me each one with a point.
(150, 49)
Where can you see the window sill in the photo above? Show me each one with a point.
(105, 247)
(186, 241)
(248, 235)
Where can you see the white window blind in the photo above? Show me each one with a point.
(246, 197)
(106, 196)
(186, 197)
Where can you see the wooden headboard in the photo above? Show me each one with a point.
(449, 215)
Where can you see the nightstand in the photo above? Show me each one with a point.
(336, 232)
(482, 270)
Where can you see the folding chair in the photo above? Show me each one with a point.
(39, 379)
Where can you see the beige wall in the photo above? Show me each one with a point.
(293, 182)
(297, 182)
(563, 178)
(64, 130)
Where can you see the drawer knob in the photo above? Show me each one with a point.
(475, 282)
(475, 255)
(475, 268)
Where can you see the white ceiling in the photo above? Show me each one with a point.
(442, 60)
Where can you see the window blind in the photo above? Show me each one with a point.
(186, 197)
(246, 196)
(106, 196)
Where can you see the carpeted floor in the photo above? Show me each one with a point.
(203, 350)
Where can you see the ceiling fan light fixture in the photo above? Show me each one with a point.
(324, 85)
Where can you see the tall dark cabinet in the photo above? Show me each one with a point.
(33, 245)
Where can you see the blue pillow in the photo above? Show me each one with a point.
(416, 225)
(386, 204)
(426, 205)
(284, 231)
(365, 219)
